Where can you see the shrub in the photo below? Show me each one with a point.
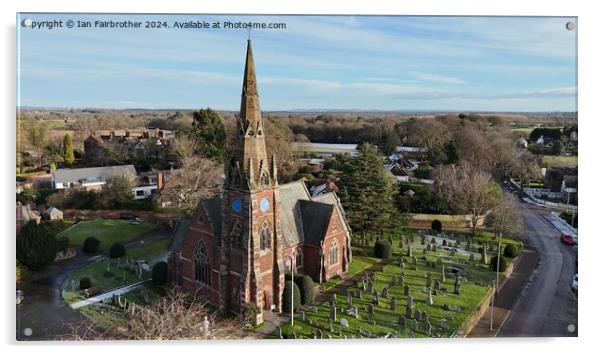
(85, 283)
(436, 225)
(91, 245)
(35, 247)
(511, 251)
(160, 273)
(382, 249)
(296, 293)
(117, 250)
(306, 287)
(62, 243)
(503, 264)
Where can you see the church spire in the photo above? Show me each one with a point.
(250, 149)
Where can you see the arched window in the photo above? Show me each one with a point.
(299, 259)
(265, 236)
(202, 270)
(334, 252)
(236, 236)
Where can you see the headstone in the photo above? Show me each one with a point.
(408, 311)
(437, 285)
(433, 241)
(375, 298)
(429, 299)
(414, 260)
(471, 257)
(444, 243)
(443, 273)
(344, 322)
(409, 254)
(428, 328)
(412, 238)
(417, 314)
(385, 292)
(278, 332)
(370, 309)
(457, 287)
(425, 316)
(414, 325)
(428, 248)
(401, 263)
(370, 285)
(484, 255)
(401, 241)
(333, 313)
(349, 299)
(423, 240)
(302, 315)
(360, 294)
(406, 290)
(402, 321)
(393, 304)
(429, 279)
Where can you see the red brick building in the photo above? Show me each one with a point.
(236, 247)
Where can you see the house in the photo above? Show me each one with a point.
(91, 178)
(148, 184)
(237, 247)
(52, 213)
(568, 189)
(322, 187)
(409, 193)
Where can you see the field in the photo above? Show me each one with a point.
(446, 315)
(109, 273)
(107, 231)
(560, 161)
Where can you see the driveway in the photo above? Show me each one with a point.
(547, 307)
(42, 315)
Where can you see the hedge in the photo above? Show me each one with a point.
(436, 225)
(91, 245)
(286, 301)
(511, 251)
(35, 247)
(117, 250)
(382, 249)
(503, 264)
(85, 283)
(160, 273)
(306, 287)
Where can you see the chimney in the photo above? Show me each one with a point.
(159, 180)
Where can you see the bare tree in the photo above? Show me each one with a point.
(176, 316)
(505, 218)
(468, 190)
(197, 177)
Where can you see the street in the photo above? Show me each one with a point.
(547, 307)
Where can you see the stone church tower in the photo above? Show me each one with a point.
(252, 266)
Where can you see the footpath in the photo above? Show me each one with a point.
(509, 292)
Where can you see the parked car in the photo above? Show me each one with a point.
(20, 296)
(574, 283)
(95, 290)
(568, 239)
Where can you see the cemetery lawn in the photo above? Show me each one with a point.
(97, 270)
(107, 231)
(448, 313)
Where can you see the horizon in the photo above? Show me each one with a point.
(343, 63)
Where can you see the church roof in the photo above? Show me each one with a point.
(290, 211)
(214, 211)
(179, 235)
(316, 217)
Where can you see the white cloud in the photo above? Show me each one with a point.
(442, 79)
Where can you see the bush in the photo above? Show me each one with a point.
(382, 249)
(85, 283)
(286, 301)
(91, 245)
(62, 243)
(35, 247)
(306, 287)
(511, 251)
(160, 273)
(503, 264)
(436, 225)
(117, 250)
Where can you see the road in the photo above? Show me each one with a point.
(547, 307)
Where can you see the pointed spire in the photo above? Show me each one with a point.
(249, 85)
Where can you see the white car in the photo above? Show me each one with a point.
(574, 283)
(19, 296)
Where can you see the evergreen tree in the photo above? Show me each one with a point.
(68, 149)
(35, 247)
(367, 191)
(208, 128)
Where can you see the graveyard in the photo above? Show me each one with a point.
(107, 231)
(431, 286)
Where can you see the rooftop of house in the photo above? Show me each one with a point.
(67, 175)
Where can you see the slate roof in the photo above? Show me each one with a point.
(52, 211)
(290, 212)
(66, 175)
(316, 217)
(179, 235)
(213, 207)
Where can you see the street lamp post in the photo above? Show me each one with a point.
(497, 279)
(290, 262)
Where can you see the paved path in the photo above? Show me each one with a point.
(43, 314)
(107, 295)
(547, 306)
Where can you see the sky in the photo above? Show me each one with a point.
(391, 63)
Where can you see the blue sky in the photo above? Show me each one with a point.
(317, 62)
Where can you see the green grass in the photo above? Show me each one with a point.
(560, 161)
(97, 269)
(107, 231)
(445, 323)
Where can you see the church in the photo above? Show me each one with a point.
(238, 246)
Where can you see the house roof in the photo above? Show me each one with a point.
(52, 211)
(66, 175)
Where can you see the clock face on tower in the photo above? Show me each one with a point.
(236, 205)
(264, 205)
